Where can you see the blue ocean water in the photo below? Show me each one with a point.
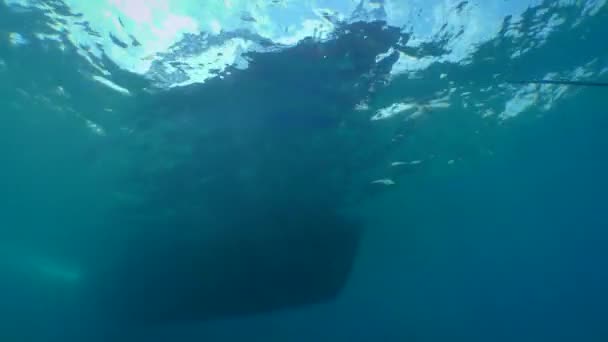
(303, 171)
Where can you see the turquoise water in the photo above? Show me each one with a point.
(385, 181)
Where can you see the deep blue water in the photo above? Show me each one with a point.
(498, 233)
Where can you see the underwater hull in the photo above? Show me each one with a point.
(257, 264)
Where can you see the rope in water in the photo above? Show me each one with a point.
(563, 82)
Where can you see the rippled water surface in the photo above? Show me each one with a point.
(283, 170)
